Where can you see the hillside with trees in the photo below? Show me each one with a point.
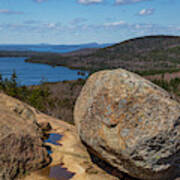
(144, 55)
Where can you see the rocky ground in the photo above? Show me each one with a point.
(72, 154)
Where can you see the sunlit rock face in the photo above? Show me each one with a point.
(131, 123)
(21, 146)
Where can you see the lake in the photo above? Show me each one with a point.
(34, 74)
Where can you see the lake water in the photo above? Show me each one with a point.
(33, 74)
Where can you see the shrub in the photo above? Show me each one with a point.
(36, 97)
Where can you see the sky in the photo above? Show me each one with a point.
(85, 21)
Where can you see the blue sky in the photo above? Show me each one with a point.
(85, 21)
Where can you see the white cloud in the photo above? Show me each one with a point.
(146, 12)
(139, 29)
(112, 24)
(9, 12)
(120, 2)
(51, 25)
(90, 1)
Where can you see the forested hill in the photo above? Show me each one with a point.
(145, 43)
(148, 54)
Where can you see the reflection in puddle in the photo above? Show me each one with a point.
(53, 138)
(60, 173)
(57, 173)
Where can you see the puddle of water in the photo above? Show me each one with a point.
(60, 173)
(57, 173)
(53, 138)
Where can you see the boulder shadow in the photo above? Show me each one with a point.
(106, 166)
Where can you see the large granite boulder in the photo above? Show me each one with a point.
(21, 147)
(131, 123)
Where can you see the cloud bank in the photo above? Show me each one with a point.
(121, 26)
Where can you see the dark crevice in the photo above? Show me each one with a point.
(100, 162)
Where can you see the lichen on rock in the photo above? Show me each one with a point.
(133, 124)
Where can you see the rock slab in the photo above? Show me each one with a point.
(131, 123)
(21, 146)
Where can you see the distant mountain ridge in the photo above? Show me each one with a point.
(50, 48)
